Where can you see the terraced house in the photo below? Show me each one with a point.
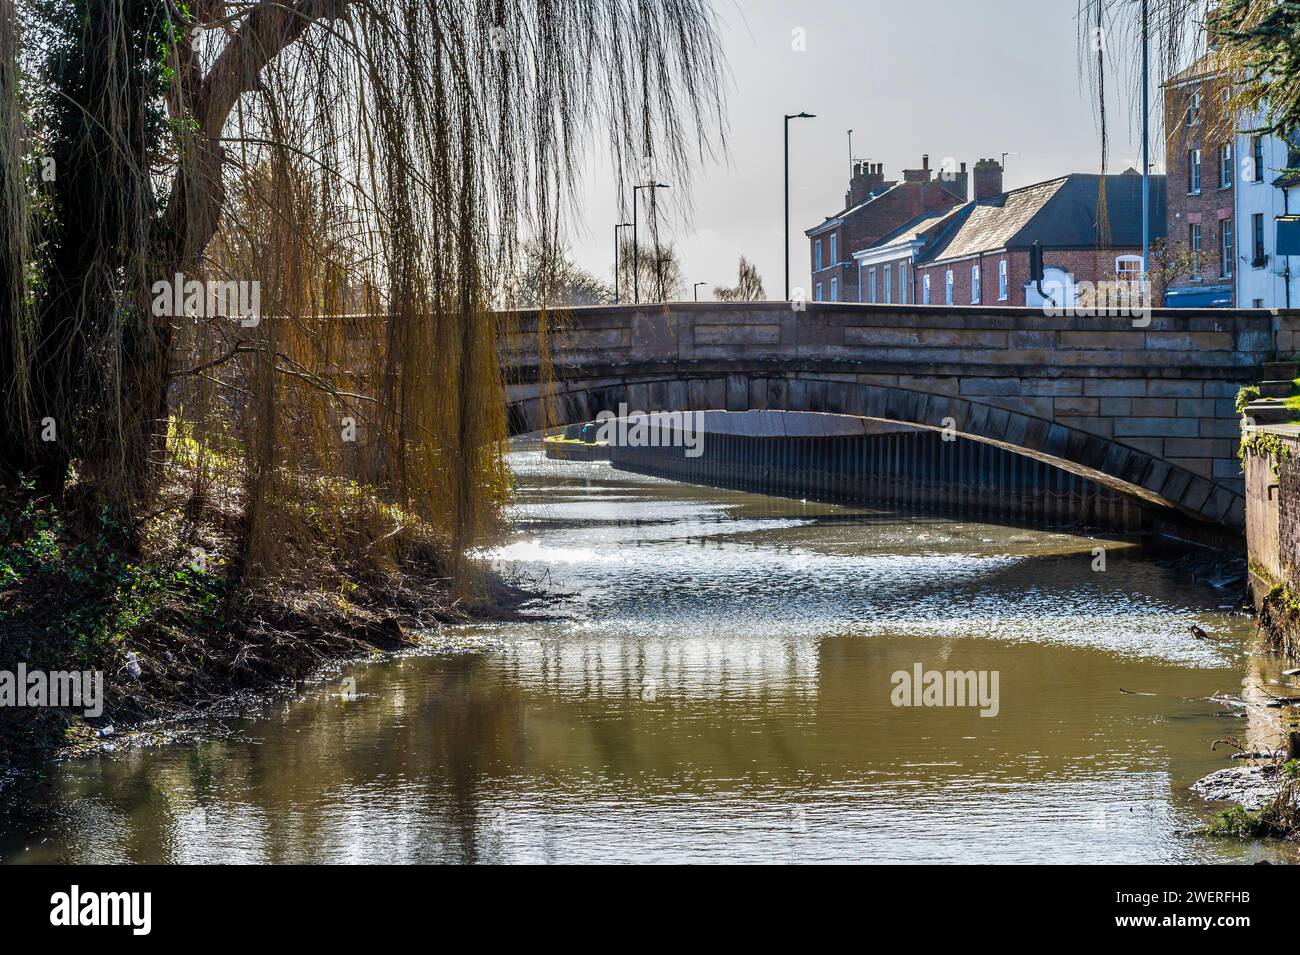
(1229, 192)
(874, 208)
(1201, 165)
(1088, 226)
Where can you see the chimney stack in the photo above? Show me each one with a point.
(867, 177)
(988, 179)
(918, 175)
(956, 183)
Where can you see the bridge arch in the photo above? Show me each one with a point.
(1103, 460)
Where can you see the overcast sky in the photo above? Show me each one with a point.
(952, 78)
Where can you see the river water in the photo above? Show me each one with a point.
(715, 682)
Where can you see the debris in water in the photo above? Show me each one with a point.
(1135, 692)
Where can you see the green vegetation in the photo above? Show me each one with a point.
(1245, 395)
(1262, 43)
(1279, 819)
(1265, 444)
(112, 598)
(1279, 619)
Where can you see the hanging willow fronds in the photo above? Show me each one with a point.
(366, 168)
(1252, 46)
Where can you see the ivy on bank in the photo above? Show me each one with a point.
(1264, 443)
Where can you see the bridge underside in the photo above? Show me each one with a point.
(1106, 460)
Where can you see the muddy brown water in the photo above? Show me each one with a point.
(719, 686)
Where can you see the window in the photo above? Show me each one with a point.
(817, 292)
(1193, 171)
(975, 284)
(835, 289)
(1128, 268)
(1259, 260)
(1225, 166)
(903, 284)
(1002, 281)
(871, 285)
(925, 289)
(1194, 243)
(1293, 150)
(1225, 245)
(1259, 303)
(889, 284)
(947, 287)
(835, 245)
(1257, 157)
(1194, 109)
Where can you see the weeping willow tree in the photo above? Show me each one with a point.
(748, 287)
(653, 269)
(252, 247)
(1252, 46)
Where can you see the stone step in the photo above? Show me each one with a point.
(1270, 412)
(1277, 370)
(1276, 389)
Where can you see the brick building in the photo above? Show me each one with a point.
(1202, 171)
(885, 268)
(979, 254)
(874, 208)
(1268, 172)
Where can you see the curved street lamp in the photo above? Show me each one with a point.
(636, 245)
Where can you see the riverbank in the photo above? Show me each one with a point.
(167, 634)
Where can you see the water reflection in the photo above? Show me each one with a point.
(718, 688)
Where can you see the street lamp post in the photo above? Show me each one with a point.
(789, 116)
(1146, 145)
(697, 289)
(617, 227)
(636, 244)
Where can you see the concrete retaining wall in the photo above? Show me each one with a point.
(915, 469)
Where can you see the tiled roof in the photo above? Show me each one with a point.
(1060, 213)
(916, 228)
(830, 220)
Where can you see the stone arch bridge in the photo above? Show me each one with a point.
(1144, 406)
